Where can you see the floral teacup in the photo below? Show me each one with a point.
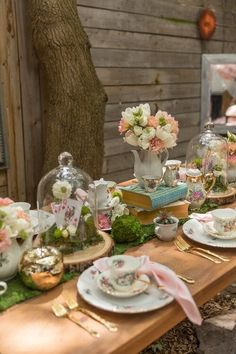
(123, 271)
(3, 287)
(166, 232)
(224, 221)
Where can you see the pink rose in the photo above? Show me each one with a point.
(5, 241)
(123, 126)
(152, 121)
(22, 215)
(5, 201)
(104, 221)
(156, 145)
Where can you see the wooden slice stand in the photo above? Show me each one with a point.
(223, 197)
(80, 260)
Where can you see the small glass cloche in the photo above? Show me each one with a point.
(65, 217)
(208, 152)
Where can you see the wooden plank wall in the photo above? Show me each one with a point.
(150, 51)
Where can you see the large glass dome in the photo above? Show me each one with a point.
(208, 152)
(65, 216)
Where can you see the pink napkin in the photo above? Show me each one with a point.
(168, 279)
(201, 217)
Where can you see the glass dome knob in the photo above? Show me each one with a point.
(65, 159)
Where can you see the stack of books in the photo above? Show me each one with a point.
(147, 206)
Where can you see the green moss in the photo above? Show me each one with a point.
(126, 228)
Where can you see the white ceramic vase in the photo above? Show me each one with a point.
(149, 163)
(10, 259)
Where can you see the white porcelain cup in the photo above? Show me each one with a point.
(224, 221)
(3, 287)
(166, 232)
(123, 271)
(24, 205)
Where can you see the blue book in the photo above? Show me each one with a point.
(134, 195)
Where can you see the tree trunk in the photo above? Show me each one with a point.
(74, 98)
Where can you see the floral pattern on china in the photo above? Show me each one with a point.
(14, 224)
(154, 134)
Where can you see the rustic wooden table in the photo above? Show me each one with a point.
(31, 328)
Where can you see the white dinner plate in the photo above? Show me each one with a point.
(194, 230)
(151, 299)
(139, 286)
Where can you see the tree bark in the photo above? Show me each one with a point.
(74, 98)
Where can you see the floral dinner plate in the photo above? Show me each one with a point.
(194, 230)
(139, 286)
(151, 299)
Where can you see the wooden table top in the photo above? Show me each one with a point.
(31, 328)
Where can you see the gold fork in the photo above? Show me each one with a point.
(222, 258)
(60, 311)
(183, 248)
(73, 305)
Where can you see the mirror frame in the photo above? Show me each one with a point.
(207, 60)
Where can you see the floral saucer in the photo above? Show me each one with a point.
(139, 285)
(210, 230)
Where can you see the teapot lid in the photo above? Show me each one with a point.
(193, 172)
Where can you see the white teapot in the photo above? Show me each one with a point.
(99, 194)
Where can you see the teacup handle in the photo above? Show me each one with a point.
(3, 285)
(156, 230)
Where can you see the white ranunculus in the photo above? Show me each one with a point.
(169, 139)
(146, 109)
(143, 142)
(142, 120)
(119, 210)
(149, 133)
(128, 116)
(167, 128)
(20, 224)
(61, 189)
(138, 130)
(131, 138)
(72, 230)
(114, 201)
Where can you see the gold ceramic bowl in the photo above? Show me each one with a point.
(41, 267)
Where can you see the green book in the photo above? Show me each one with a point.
(134, 195)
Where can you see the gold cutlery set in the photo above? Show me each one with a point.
(183, 246)
(72, 305)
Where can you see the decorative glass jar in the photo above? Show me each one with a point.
(208, 152)
(65, 217)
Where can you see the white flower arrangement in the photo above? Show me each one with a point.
(154, 133)
(61, 189)
(14, 222)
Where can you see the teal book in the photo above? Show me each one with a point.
(134, 195)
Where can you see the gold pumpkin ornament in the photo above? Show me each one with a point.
(41, 268)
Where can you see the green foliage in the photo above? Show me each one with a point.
(231, 137)
(85, 210)
(86, 235)
(126, 228)
(198, 162)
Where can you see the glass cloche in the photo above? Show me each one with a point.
(208, 152)
(65, 216)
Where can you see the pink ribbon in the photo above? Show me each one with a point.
(168, 279)
(202, 217)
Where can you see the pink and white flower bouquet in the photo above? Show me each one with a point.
(153, 133)
(14, 222)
